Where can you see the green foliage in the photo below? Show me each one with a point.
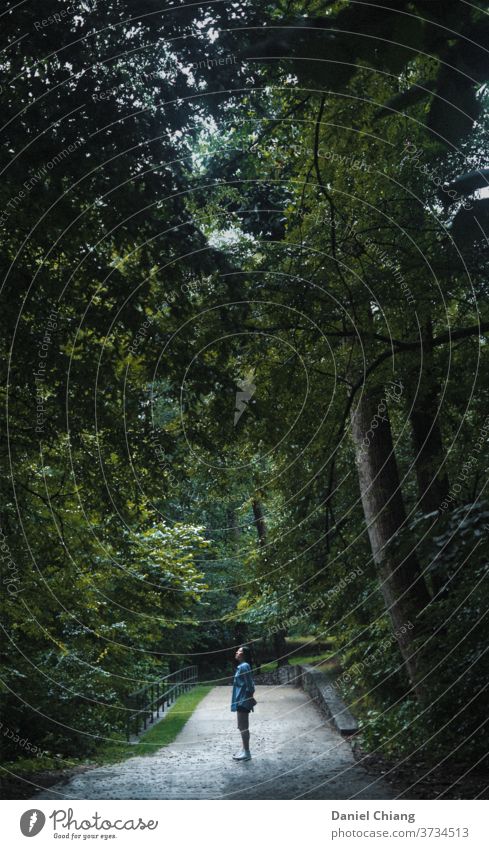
(300, 214)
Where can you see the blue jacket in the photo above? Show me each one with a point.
(243, 688)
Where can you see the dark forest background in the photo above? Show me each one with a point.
(279, 206)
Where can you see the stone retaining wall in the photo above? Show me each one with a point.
(282, 675)
(318, 686)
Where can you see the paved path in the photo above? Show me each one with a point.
(295, 755)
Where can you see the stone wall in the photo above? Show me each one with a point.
(318, 686)
(281, 675)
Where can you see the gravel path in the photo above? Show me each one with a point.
(295, 755)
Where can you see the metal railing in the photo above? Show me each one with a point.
(144, 705)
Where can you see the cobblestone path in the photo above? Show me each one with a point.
(296, 754)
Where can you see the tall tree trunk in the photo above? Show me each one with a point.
(433, 484)
(403, 586)
(234, 529)
(432, 477)
(280, 648)
(240, 628)
(261, 525)
(279, 644)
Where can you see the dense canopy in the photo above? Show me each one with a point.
(245, 380)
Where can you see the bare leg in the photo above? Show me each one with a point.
(243, 726)
(245, 736)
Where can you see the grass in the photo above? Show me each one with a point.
(118, 749)
(161, 734)
(321, 661)
(308, 639)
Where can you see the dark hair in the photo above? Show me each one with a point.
(247, 655)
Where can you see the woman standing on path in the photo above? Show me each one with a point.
(242, 700)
